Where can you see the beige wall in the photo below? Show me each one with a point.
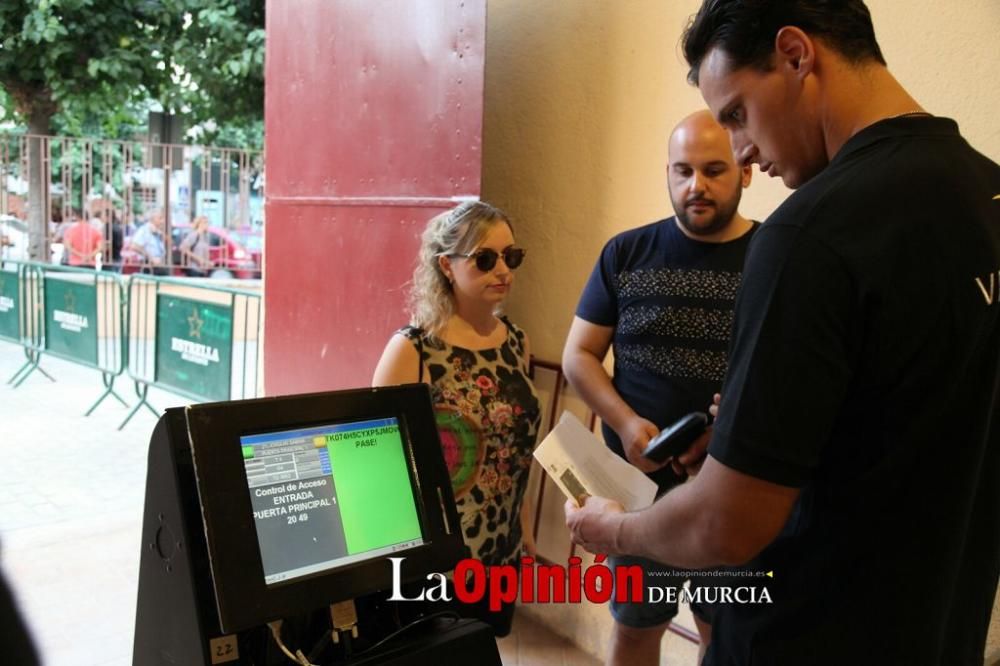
(581, 94)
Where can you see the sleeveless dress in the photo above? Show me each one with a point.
(487, 414)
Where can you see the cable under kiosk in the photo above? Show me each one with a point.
(268, 527)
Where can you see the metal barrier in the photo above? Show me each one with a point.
(15, 306)
(193, 339)
(71, 313)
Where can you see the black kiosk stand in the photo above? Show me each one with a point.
(266, 518)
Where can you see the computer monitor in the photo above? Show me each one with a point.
(258, 510)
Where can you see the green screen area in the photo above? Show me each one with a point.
(373, 488)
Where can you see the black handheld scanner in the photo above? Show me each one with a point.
(677, 437)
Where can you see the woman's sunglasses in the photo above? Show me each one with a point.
(486, 258)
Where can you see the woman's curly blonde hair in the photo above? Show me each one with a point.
(457, 231)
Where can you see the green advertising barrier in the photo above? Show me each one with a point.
(193, 338)
(71, 320)
(194, 343)
(74, 314)
(9, 322)
(21, 315)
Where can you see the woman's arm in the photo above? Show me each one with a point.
(399, 364)
(528, 504)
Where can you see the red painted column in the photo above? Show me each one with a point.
(373, 118)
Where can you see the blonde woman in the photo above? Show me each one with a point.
(476, 364)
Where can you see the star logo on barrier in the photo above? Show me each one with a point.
(70, 301)
(195, 323)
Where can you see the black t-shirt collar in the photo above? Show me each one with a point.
(671, 227)
(896, 128)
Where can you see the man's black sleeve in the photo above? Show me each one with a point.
(599, 300)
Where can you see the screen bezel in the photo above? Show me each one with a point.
(243, 599)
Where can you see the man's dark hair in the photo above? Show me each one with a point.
(745, 30)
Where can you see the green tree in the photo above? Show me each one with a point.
(98, 65)
(222, 49)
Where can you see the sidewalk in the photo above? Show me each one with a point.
(71, 497)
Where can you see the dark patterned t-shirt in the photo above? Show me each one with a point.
(670, 300)
(488, 416)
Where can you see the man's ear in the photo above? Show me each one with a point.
(795, 50)
(746, 174)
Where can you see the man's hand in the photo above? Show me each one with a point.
(688, 464)
(595, 525)
(635, 435)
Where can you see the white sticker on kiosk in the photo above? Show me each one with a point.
(224, 649)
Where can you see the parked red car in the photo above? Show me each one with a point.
(228, 251)
(253, 243)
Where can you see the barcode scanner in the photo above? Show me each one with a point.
(676, 438)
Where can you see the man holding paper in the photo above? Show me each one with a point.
(856, 454)
(663, 294)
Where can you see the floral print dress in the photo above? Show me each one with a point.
(487, 414)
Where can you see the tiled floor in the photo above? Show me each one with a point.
(71, 494)
(531, 644)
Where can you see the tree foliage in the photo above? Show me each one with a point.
(97, 66)
(223, 50)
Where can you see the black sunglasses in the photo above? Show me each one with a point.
(486, 259)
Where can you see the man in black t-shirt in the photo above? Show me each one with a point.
(856, 455)
(663, 295)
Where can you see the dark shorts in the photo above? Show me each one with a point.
(650, 613)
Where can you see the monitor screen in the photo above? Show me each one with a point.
(302, 499)
(327, 496)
